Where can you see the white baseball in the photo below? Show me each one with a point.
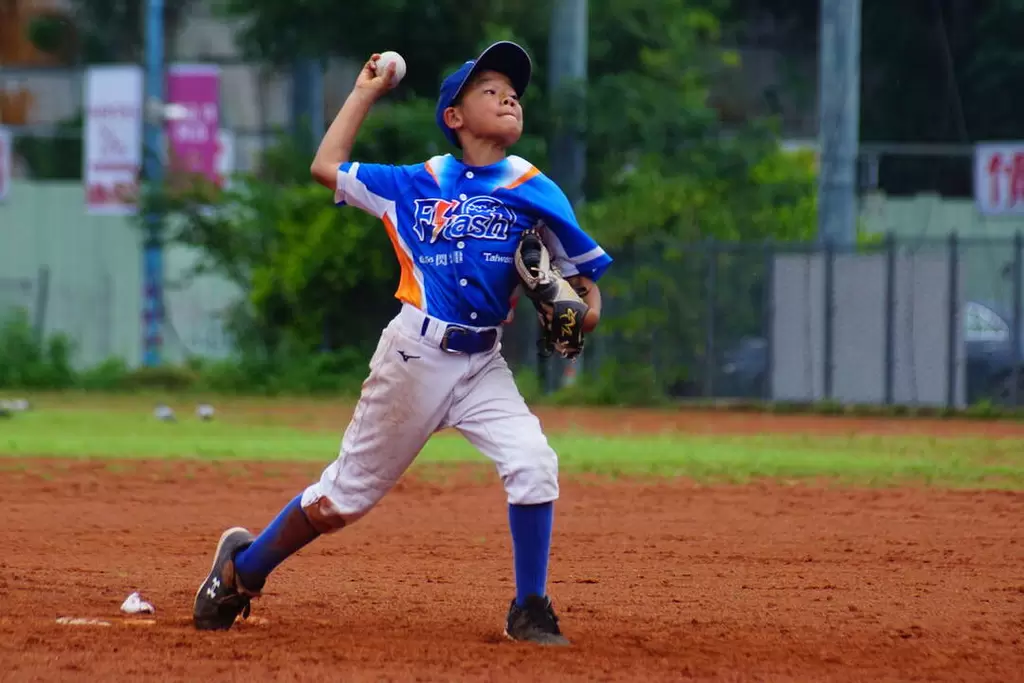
(390, 56)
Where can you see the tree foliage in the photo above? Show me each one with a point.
(316, 277)
(96, 31)
(434, 36)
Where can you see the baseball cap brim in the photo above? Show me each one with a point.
(505, 57)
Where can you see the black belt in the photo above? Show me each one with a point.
(459, 339)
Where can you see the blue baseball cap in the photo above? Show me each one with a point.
(505, 57)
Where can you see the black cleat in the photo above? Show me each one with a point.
(534, 622)
(221, 597)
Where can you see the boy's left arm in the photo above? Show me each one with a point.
(578, 257)
(591, 295)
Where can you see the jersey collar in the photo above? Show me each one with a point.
(496, 167)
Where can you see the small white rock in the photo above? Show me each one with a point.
(134, 604)
(164, 413)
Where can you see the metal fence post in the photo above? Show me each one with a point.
(42, 302)
(153, 313)
(768, 320)
(954, 287)
(1015, 333)
(890, 315)
(830, 256)
(711, 282)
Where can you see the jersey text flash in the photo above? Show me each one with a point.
(454, 228)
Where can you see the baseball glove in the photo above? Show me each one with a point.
(560, 308)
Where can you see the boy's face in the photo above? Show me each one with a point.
(489, 109)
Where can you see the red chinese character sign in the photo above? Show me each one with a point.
(999, 178)
(192, 135)
(112, 157)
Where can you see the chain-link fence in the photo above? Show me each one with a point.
(909, 322)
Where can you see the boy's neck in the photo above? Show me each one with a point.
(478, 152)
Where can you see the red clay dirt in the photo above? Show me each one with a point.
(653, 581)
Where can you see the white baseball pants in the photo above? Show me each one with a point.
(415, 389)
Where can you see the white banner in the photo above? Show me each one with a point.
(6, 162)
(999, 178)
(112, 151)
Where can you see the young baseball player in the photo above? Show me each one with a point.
(456, 226)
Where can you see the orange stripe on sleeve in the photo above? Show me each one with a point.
(409, 290)
(432, 174)
(531, 173)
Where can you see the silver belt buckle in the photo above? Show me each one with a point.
(447, 334)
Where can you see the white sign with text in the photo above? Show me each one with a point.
(112, 151)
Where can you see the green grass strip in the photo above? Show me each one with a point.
(871, 460)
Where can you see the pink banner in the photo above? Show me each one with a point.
(192, 131)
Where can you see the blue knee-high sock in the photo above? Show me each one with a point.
(289, 532)
(531, 546)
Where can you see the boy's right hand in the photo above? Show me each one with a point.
(372, 81)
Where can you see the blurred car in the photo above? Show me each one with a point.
(989, 353)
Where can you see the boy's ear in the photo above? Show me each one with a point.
(453, 118)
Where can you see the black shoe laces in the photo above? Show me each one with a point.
(543, 615)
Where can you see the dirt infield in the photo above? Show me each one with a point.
(654, 582)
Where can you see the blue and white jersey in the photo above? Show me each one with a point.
(455, 229)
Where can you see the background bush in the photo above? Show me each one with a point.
(27, 362)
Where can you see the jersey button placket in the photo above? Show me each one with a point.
(463, 282)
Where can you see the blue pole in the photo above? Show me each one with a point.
(153, 258)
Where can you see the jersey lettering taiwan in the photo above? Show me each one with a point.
(455, 229)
